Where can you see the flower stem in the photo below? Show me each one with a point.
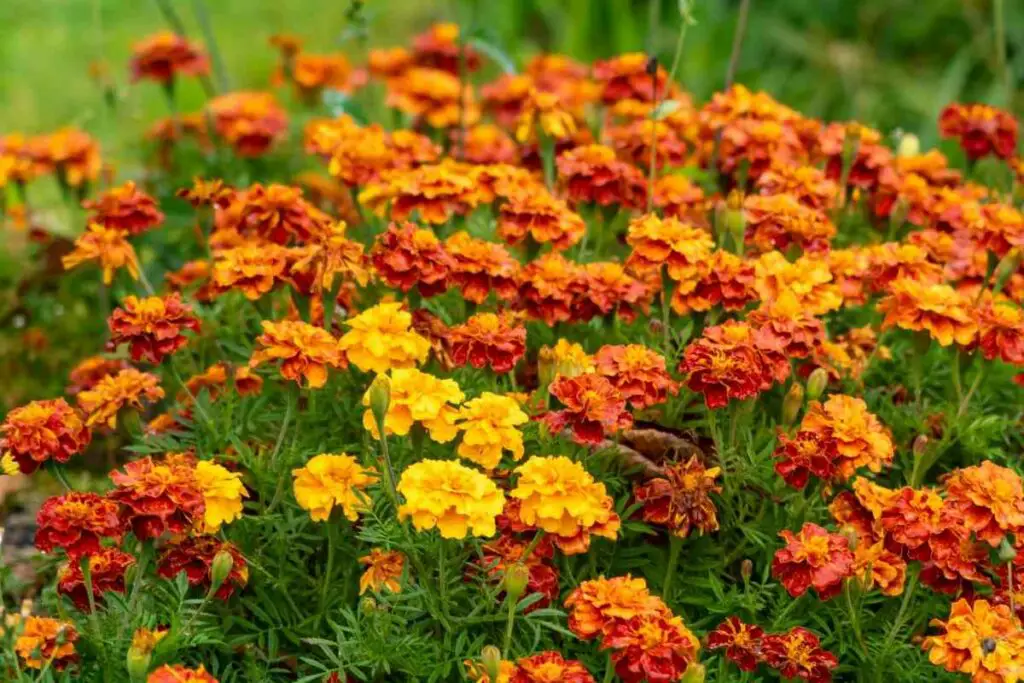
(509, 623)
(675, 545)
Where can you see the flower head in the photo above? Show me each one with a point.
(125, 208)
(651, 647)
(741, 642)
(418, 397)
(433, 96)
(332, 480)
(727, 363)
(152, 327)
(71, 153)
(253, 268)
(549, 288)
(798, 654)
(678, 246)
(722, 279)
(680, 499)
(813, 558)
(627, 77)
(859, 438)
(637, 372)
(195, 555)
(159, 496)
(406, 256)
(106, 569)
(305, 351)
(550, 667)
(592, 173)
(223, 491)
(107, 246)
(450, 497)
(129, 387)
(179, 673)
(938, 309)
(980, 129)
(490, 426)
(45, 642)
(383, 569)
(41, 431)
(593, 408)
(607, 289)
(249, 121)
(778, 221)
(77, 522)
(989, 499)
(488, 339)
(479, 267)
(980, 639)
(542, 217)
(380, 339)
(596, 606)
(164, 55)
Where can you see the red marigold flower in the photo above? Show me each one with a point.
(162, 56)
(128, 387)
(152, 326)
(440, 47)
(632, 142)
(606, 289)
(989, 499)
(626, 77)
(253, 268)
(593, 408)
(125, 208)
(195, 556)
(541, 216)
(550, 667)
(721, 279)
(742, 642)
(487, 339)
(813, 558)
(912, 516)
(892, 262)
(668, 242)
(275, 212)
(651, 647)
(798, 654)
(178, 673)
(406, 256)
(808, 453)
(542, 576)
(755, 144)
(305, 351)
(107, 568)
(47, 644)
(592, 173)
(1001, 330)
(778, 221)
(980, 129)
(549, 287)
(873, 164)
(680, 499)
(250, 121)
(783, 324)
(90, 371)
(637, 372)
(726, 364)
(479, 267)
(41, 431)
(597, 605)
(159, 497)
(76, 522)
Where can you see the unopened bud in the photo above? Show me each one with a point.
(220, 569)
(910, 146)
(746, 569)
(1008, 265)
(852, 539)
(1007, 553)
(490, 657)
(792, 403)
(546, 366)
(734, 220)
(367, 605)
(919, 446)
(137, 663)
(695, 673)
(514, 583)
(816, 384)
(380, 398)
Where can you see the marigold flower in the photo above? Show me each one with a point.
(626, 77)
(47, 643)
(418, 397)
(565, 358)
(808, 279)
(725, 364)
(549, 287)
(872, 164)
(598, 605)
(476, 672)
(179, 673)
(1001, 330)
(333, 480)
(679, 499)
(593, 408)
(436, 192)
(406, 256)
(679, 197)
(380, 339)
(633, 140)
(91, 370)
(159, 496)
(71, 153)
(195, 556)
(389, 62)
(507, 551)
(860, 438)
(807, 184)
(106, 568)
(637, 372)
(129, 387)
(450, 497)
(434, 96)
(875, 565)
(41, 431)
(938, 309)
(383, 570)
(890, 262)
(741, 642)
(306, 351)
(543, 114)
(486, 143)
(722, 279)
(607, 289)
(223, 491)
(249, 121)
(651, 647)
(145, 640)
(798, 654)
(813, 558)
(479, 267)
(805, 454)
(755, 145)
(989, 499)
(311, 74)
(778, 221)
(163, 55)
(76, 522)
(544, 218)
(550, 667)
(151, 326)
(678, 246)
(125, 208)
(253, 268)
(980, 129)
(490, 424)
(592, 173)
(560, 497)
(979, 639)
(109, 247)
(440, 47)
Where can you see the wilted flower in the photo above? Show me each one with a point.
(813, 558)
(107, 246)
(450, 497)
(107, 569)
(76, 522)
(383, 569)
(159, 496)
(47, 643)
(680, 499)
(593, 408)
(305, 351)
(152, 327)
(333, 480)
(196, 556)
(42, 431)
(380, 339)
(129, 387)
(487, 339)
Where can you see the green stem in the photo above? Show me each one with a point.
(547, 155)
(898, 623)
(675, 545)
(999, 27)
(329, 569)
(854, 618)
(203, 18)
(666, 291)
(609, 671)
(970, 391)
(510, 620)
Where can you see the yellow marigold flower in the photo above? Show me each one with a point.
(222, 493)
(328, 481)
(418, 397)
(145, 640)
(450, 497)
(381, 339)
(383, 569)
(109, 246)
(8, 465)
(48, 643)
(544, 112)
(129, 387)
(560, 497)
(565, 358)
(490, 424)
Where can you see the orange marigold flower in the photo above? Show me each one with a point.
(275, 212)
(125, 208)
(433, 96)
(938, 309)
(808, 279)
(195, 556)
(980, 129)
(592, 173)
(608, 289)
(979, 639)
(597, 605)
(71, 153)
(189, 274)
(164, 55)
(41, 431)
(178, 673)
(633, 142)
(543, 115)
(1001, 330)
(47, 643)
(91, 370)
(878, 566)
(406, 256)
(486, 143)
(678, 246)
(17, 164)
(725, 364)
(253, 268)
(812, 558)
(741, 642)
(505, 98)
(541, 216)
(436, 192)
(860, 439)
(488, 339)
(128, 387)
(389, 62)
(479, 267)
(894, 261)
(311, 74)
(785, 325)
(152, 326)
(249, 121)
(721, 279)
(626, 77)
(550, 667)
(755, 145)
(109, 247)
(106, 569)
(651, 647)
(911, 517)
(872, 165)
(989, 499)
(383, 569)
(159, 496)
(798, 654)
(549, 287)
(807, 184)
(778, 221)
(805, 454)
(439, 47)
(637, 372)
(77, 522)
(593, 408)
(680, 498)
(305, 351)
(679, 197)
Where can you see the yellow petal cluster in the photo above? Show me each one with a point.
(490, 425)
(381, 339)
(450, 497)
(222, 494)
(331, 480)
(418, 397)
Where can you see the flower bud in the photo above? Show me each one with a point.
(695, 673)
(514, 583)
(490, 657)
(367, 605)
(220, 569)
(1007, 266)
(734, 220)
(137, 663)
(792, 403)
(909, 146)
(380, 398)
(1007, 553)
(852, 539)
(816, 384)
(746, 569)
(919, 446)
